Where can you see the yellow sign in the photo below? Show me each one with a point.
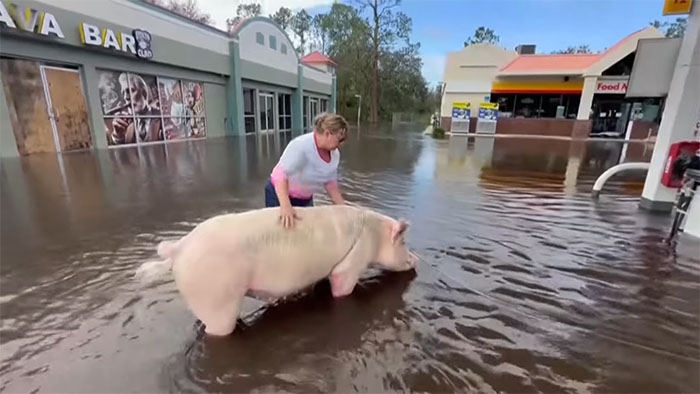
(461, 105)
(488, 105)
(677, 7)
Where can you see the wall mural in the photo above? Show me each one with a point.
(139, 108)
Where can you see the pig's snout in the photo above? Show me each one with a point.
(413, 259)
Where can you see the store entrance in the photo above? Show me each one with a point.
(610, 113)
(67, 108)
(47, 107)
(267, 112)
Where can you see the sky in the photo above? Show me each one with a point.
(442, 26)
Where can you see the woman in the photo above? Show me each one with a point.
(308, 164)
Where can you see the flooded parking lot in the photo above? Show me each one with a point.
(526, 283)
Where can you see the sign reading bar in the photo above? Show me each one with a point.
(613, 86)
(137, 43)
(677, 7)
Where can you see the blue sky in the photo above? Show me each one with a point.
(442, 26)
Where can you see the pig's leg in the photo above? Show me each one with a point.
(342, 283)
(220, 313)
(215, 299)
(344, 276)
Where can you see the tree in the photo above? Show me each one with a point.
(243, 11)
(320, 32)
(385, 28)
(348, 44)
(187, 8)
(671, 29)
(301, 26)
(677, 28)
(482, 35)
(575, 49)
(283, 17)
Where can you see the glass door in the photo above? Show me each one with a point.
(266, 103)
(313, 111)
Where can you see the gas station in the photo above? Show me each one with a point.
(679, 132)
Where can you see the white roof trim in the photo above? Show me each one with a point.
(473, 86)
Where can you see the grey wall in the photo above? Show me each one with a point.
(266, 86)
(165, 49)
(317, 87)
(8, 146)
(215, 107)
(91, 61)
(259, 72)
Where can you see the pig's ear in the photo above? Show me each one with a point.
(398, 230)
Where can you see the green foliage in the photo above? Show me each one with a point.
(243, 11)
(671, 29)
(187, 8)
(346, 33)
(482, 35)
(301, 26)
(575, 49)
(283, 17)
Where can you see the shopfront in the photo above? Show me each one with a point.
(552, 94)
(127, 73)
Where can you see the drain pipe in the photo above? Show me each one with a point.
(614, 170)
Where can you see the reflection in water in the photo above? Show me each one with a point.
(526, 284)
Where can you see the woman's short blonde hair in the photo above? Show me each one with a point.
(333, 123)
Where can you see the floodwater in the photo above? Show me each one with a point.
(526, 284)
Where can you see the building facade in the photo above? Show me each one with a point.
(97, 74)
(551, 94)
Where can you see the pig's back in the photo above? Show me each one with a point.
(286, 260)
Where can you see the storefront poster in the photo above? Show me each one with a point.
(114, 102)
(194, 98)
(171, 96)
(144, 108)
(488, 111)
(176, 128)
(198, 128)
(119, 130)
(460, 110)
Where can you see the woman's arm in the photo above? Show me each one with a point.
(287, 213)
(334, 192)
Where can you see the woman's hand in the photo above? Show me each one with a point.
(288, 216)
(334, 193)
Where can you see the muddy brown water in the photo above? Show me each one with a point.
(526, 284)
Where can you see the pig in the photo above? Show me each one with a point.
(231, 256)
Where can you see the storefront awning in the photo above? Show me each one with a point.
(537, 86)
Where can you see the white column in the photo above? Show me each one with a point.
(584, 107)
(681, 114)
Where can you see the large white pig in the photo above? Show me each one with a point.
(231, 256)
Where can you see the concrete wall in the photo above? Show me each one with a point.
(174, 41)
(215, 109)
(474, 98)
(469, 73)
(543, 127)
(263, 54)
(264, 73)
(8, 146)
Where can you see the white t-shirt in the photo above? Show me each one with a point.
(301, 164)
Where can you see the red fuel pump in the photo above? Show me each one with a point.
(678, 154)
